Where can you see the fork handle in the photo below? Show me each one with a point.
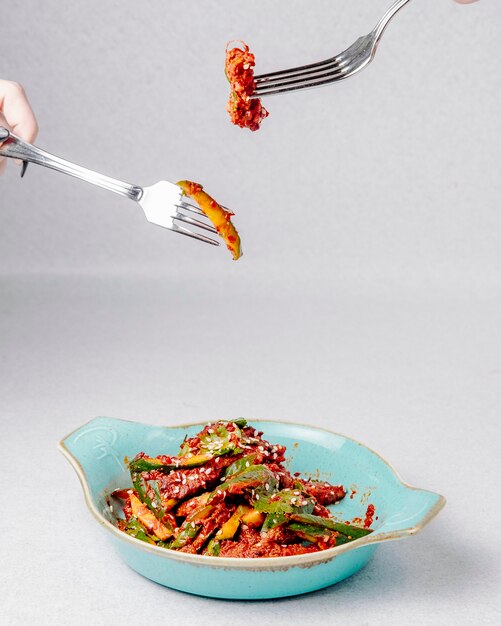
(389, 15)
(16, 148)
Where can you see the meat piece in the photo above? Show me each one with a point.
(252, 545)
(244, 111)
(189, 507)
(284, 477)
(220, 515)
(182, 484)
(323, 492)
(281, 534)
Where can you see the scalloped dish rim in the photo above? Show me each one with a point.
(262, 563)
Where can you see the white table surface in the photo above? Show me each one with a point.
(415, 374)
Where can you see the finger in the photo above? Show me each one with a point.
(17, 110)
(4, 123)
(3, 160)
(466, 1)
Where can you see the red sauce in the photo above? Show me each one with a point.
(369, 515)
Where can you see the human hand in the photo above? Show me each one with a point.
(465, 1)
(16, 113)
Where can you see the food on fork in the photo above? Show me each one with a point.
(244, 111)
(218, 215)
(227, 493)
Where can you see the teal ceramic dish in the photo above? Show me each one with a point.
(97, 449)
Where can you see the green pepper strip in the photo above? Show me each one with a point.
(278, 506)
(355, 532)
(147, 464)
(139, 485)
(310, 532)
(240, 422)
(135, 529)
(213, 547)
(255, 477)
(188, 531)
(158, 511)
(240, 465)
(273, 520)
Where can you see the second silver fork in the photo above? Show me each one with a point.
(343, 65)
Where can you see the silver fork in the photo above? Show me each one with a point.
(162, 203)
(343, 65)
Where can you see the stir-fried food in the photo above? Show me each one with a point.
(219, 216)
(227, 493)
(244, 111)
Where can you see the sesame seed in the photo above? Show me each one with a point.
(267, 487)
(247, 464)
(193, 524)
(257, 496)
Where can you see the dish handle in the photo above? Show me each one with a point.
(95, 452)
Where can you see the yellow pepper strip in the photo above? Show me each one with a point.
(200, 514)
(253, 518)
(149, 521)
(230, 527)
(220, 218)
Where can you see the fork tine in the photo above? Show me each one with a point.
(185, 231)
(314, 68)
(189, 207)
(317, 81)
(293, 81)
(295, 71)
(194, 209)
(198, 223)
(313, 75)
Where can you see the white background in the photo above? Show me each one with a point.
(368, 299)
